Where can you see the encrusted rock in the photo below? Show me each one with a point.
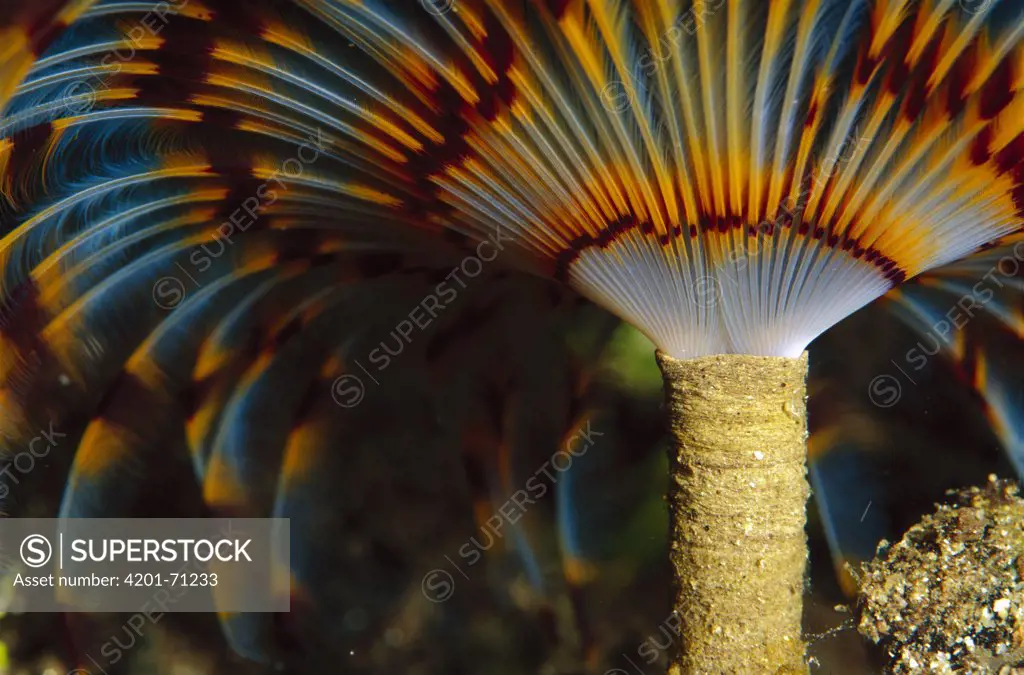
(949, 596)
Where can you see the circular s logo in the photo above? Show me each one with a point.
(78, 97)
(975, 6)
(438, 7)
(616, 97)
(36, 550)
(348, 391)
(885, 391)
(438, 586)
(706, 291)
(168, 292)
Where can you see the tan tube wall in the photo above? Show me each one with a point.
(737, 501)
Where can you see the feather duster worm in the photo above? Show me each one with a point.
(731, 177)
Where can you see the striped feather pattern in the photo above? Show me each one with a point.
(863, 143)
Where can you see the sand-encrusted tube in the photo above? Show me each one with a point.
(737, 501)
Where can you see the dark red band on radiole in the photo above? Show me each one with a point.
(43, 31)
(22, 318)
(565, 260)
(195, 393)
(1010, 161)
(865, 63)
(126, 399)
(960, 75)
(917, 96)
(981, 151)
(452, 116)
(26, 150)
(22, 321)
(182, 61)
(556, 7)
(997, 93)
(966, 368)
(894, 54)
